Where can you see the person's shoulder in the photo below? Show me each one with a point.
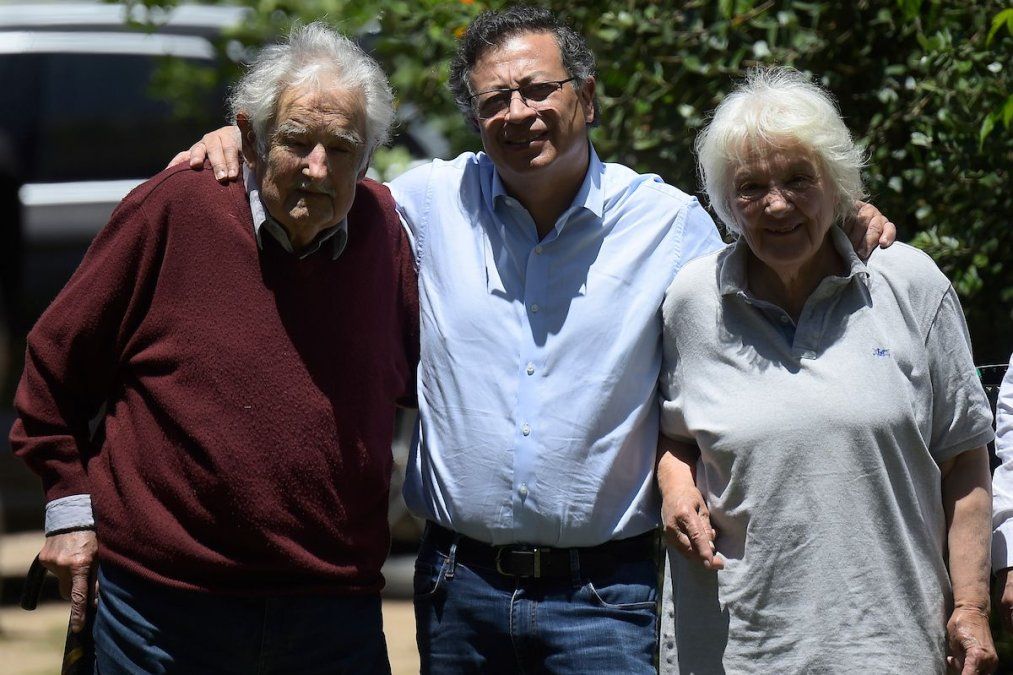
(905, 266)
(697, 277)
(424, 171)
(374, 202)
(622, 180)
(181, 183)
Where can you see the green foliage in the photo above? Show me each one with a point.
(923, 83)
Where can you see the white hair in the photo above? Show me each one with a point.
(777, 107)
(313, 54)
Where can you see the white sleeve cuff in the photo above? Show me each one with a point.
(68, 513)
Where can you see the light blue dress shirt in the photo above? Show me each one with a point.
(540, 359)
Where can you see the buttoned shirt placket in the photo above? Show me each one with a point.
(531, 357)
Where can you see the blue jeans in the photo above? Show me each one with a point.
(144, 627)
(474, 620)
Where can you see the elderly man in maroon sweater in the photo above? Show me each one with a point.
(249, 343)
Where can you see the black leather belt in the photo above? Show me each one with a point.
(542, 562)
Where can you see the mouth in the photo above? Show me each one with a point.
(783, 230)
(525, 141)
(314, 190)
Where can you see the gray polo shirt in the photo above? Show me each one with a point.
(820, 449)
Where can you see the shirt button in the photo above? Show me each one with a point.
(538, 250)
(534, 309)
(784, 319)
(530, 370)
(526, 430)
(523, 490)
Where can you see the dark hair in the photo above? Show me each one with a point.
(491, 29)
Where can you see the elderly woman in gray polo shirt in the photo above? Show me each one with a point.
(839, 422)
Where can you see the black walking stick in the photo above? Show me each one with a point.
(79, 651)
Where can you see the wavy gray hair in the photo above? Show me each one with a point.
(777, 106)
(309, 55)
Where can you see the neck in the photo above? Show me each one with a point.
(545, 197)
(789, 287)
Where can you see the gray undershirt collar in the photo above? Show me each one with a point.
(337, 235)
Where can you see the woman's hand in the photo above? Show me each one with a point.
(686, 526)
(969, 642)
(221, 147)
(967, 501)
(684, 516)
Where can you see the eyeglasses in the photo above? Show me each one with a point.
(488, 104)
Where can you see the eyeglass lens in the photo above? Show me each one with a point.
(493, 103)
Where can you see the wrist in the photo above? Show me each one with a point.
(975, 605)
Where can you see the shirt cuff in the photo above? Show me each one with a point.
(67, 513)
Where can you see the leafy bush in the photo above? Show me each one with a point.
(923, 83)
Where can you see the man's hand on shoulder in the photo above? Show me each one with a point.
(222, 148)
(869, 228)
(71, 558)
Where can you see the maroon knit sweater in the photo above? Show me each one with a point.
(250, 395)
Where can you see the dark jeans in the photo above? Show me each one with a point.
(143, 627)
(474, 620)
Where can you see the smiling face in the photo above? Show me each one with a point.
(315, 154)
(783, 206)
(548, 145)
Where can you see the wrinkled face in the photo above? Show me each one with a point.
(315, 155)
(782, 204)
(524, 142)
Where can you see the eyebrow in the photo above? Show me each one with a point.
(292, 127)
(536, 77)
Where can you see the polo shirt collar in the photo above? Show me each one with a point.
(732, 266)
(336, 237)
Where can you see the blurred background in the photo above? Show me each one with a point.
(98, 96)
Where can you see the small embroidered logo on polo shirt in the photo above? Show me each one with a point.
(880, 352)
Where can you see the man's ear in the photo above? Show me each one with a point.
(586, 95)
(249, 140)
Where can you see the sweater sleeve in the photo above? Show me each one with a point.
(408, 292)
(74, 356)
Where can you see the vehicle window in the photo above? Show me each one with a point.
(98, 118)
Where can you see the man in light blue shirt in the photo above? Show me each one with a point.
(542, 272)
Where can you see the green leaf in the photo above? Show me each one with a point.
(987, 125)
(1003, 17)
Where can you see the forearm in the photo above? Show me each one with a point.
(967, 502)
(676, 464)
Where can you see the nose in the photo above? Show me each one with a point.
(776, 201)
(518, 108)
(315, 166)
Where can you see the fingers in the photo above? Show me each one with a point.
(71, 558)
(692, 535)
(701, 535)
(221, 148)
(81, 582)
(180, 158)
(969, 642)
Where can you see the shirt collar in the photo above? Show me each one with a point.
(732, 264)
(589, 196)
(337, 236)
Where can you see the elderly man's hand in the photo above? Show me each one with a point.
(969, 642)
(71, 557)
(222, 148)
(869, 228)
(687, 526)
